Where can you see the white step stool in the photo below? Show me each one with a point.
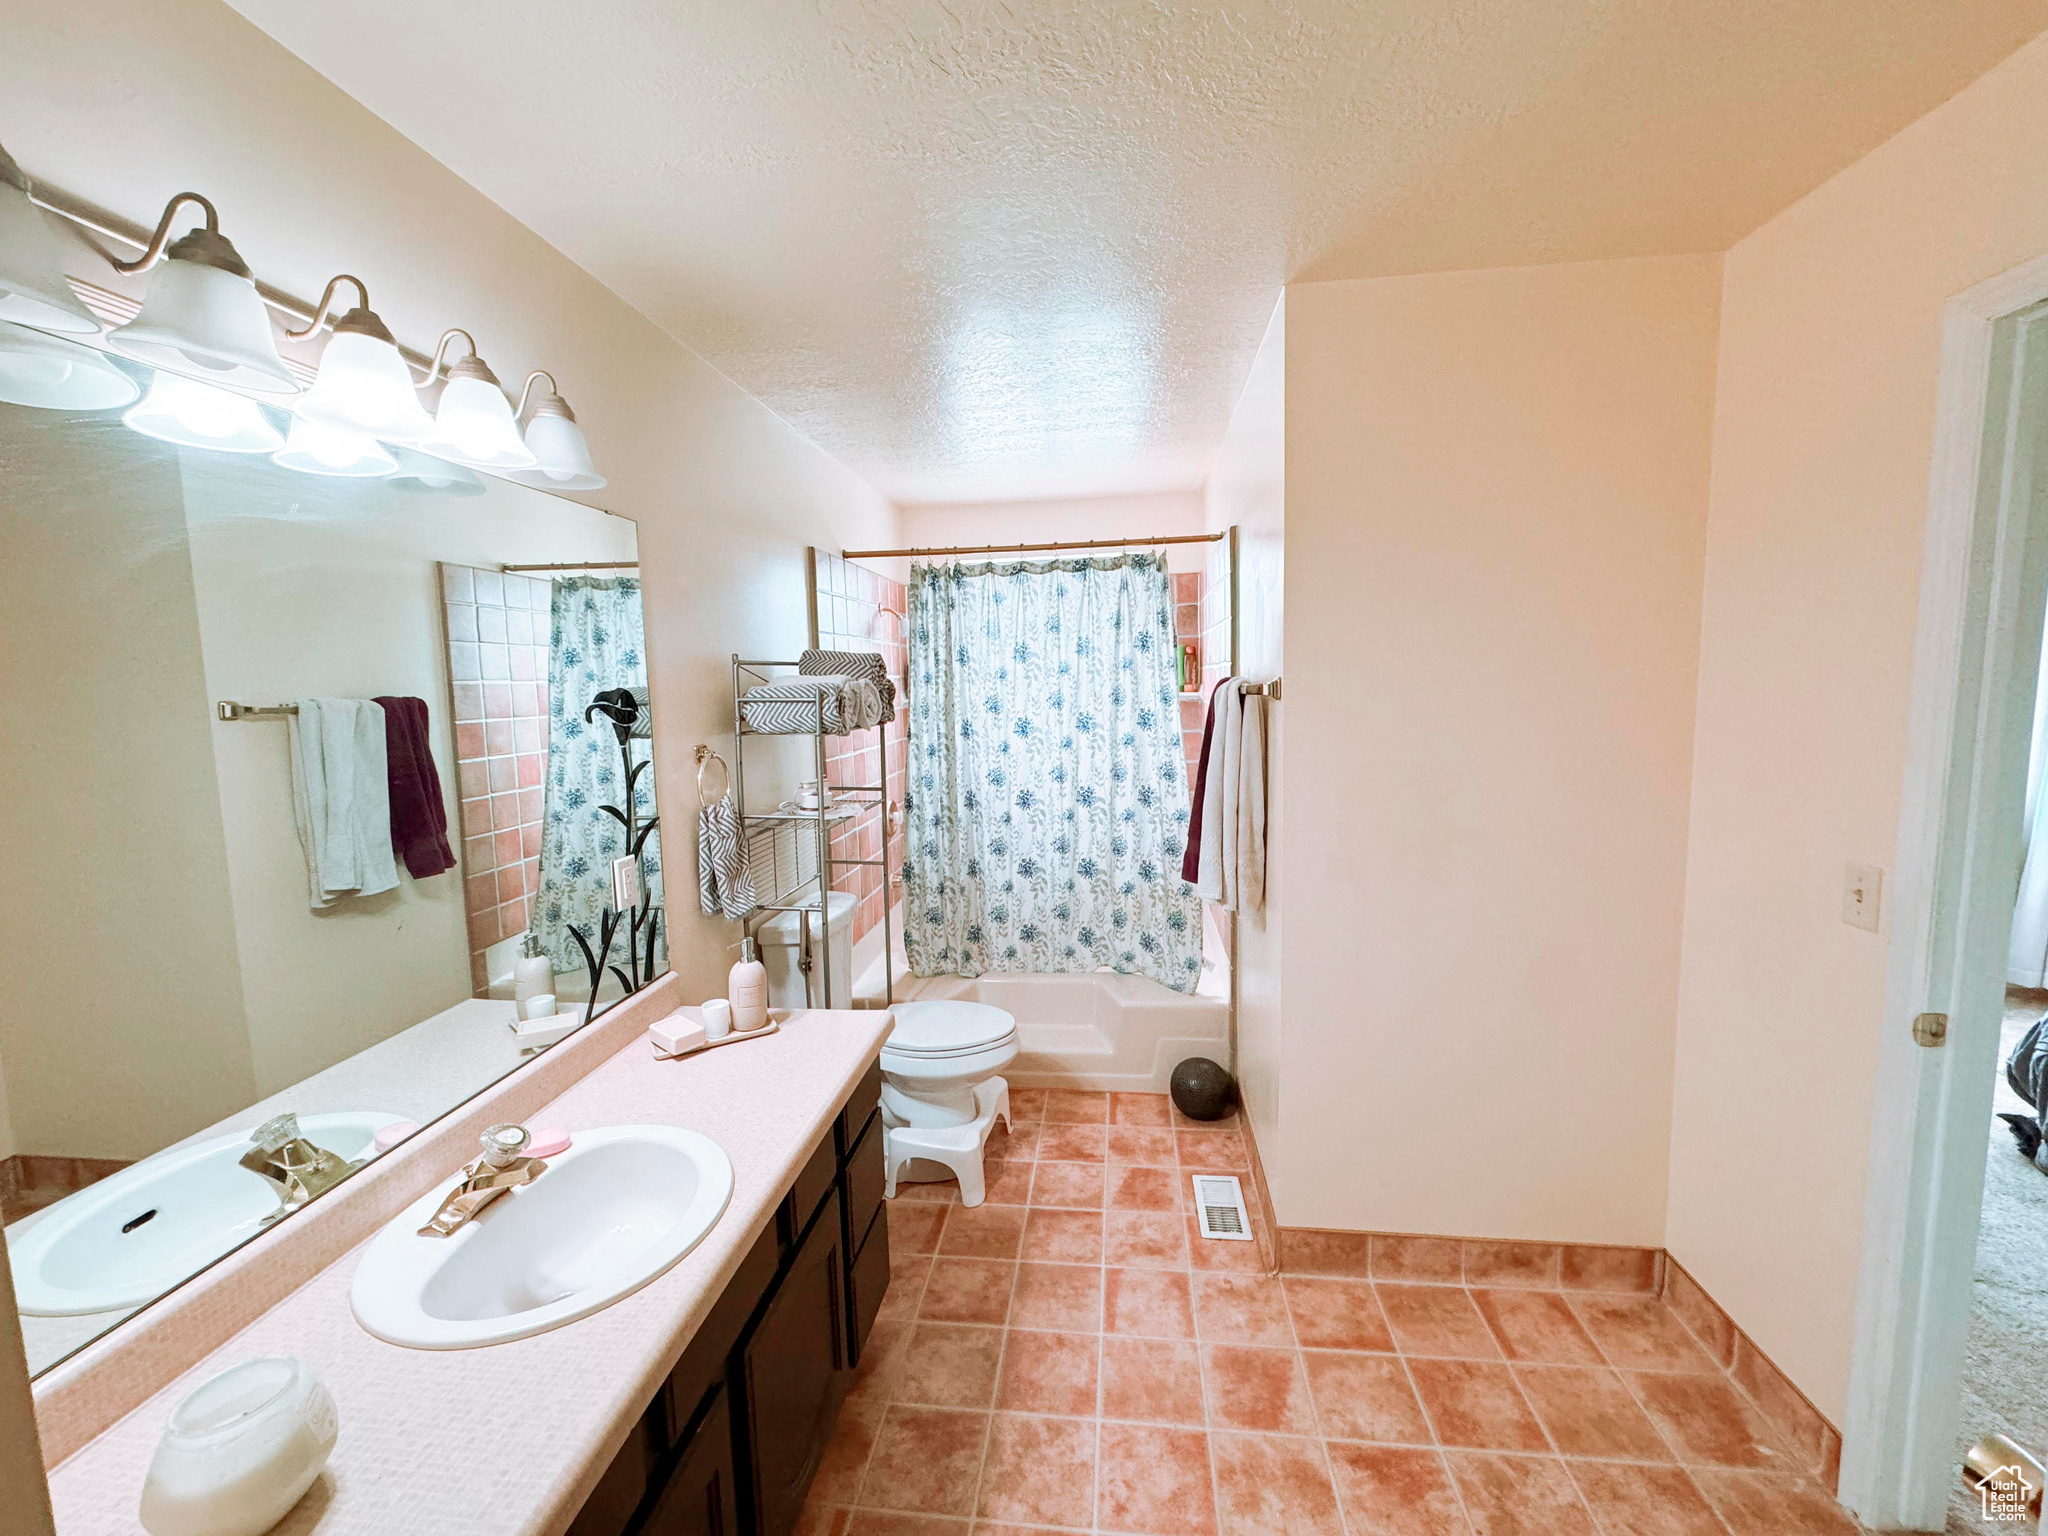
(958, 1147)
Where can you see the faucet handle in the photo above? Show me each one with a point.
(504, 1145)
(273, 1134)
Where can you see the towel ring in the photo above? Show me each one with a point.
(705, 758)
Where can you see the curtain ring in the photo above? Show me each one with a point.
(705, 758)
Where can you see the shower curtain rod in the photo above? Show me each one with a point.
(583, 565)
(1011, 549)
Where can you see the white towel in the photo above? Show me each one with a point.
(1249, 870)
(341, 798)
(1217, 869)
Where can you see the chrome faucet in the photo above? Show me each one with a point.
(292, 1165)
(503, 1166)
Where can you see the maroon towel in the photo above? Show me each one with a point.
(1191, 860)
(419, 819)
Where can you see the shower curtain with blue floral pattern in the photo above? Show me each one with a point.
(596, 643)
(1046, 804)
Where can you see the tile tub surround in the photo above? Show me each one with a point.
(408, 1459)
(499, 628)
(113, 1375)
(1060, 1357)
(1814, 1443)
(862, 610)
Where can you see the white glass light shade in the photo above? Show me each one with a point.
(423, 472)
(32, 286)
(206, 323)
(60, 375)
(194, 415)
(475, 426)
(561, 456)
(364, 386)
(317, 449)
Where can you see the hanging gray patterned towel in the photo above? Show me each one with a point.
(724, 882)
(851, 664)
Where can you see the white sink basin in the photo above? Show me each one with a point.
(132, 1236)
(611, 1213)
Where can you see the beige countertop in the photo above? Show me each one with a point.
(508, 1439)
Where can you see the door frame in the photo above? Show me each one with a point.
(1977, 656)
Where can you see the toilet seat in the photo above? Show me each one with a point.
(944, 1029)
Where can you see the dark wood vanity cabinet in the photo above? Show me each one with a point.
(730, 1444)
(791, 1372)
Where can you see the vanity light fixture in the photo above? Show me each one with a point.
(314, 448)
(202, 316)
(32, 286)
(58, 374)
(364, 385)
(474, 424)
(194, 415)
(423, 472)
(561, 456)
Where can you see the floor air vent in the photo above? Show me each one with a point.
(1221, 1201)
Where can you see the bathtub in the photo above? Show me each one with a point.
(1094, 1029)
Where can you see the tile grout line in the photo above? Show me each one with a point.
(1428, 1419)
(1315, 1408)
(1643, 1406)
(1188, 1240)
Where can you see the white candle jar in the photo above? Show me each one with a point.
(240, 1451)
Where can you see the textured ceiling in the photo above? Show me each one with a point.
(986, 251)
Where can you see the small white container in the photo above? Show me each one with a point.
(532, 973)
(240, 1451)
(540, 1006)
(717, 1018)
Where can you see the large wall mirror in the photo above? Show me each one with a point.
(299, 768)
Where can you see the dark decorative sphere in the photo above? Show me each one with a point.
(1202, 1090)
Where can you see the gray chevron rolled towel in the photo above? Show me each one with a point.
(851, 664)
(725, 884)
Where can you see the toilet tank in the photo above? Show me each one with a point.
(781, 939)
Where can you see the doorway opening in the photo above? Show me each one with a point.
(1950, 1329)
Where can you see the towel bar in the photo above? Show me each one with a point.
(228, 710)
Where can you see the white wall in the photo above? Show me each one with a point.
(1829, 353)
(123, 1029)
(6, 1118)
(24, 1498)
(1138, 515)
(1247, 487)
(1496, 491)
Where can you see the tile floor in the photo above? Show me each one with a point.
(1069, 1356)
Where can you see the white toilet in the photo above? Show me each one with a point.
(940, 1091)
(940, 1051)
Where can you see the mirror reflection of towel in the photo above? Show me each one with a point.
(341, 798)
(419, 816)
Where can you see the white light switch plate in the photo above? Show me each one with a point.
(1862, 891)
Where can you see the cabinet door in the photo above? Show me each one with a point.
(869, 1281)
(791, 1367)
(698, 1498)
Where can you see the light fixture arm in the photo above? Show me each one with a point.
(526, 390)
(440, 358)
(160, 241)
(325, 312)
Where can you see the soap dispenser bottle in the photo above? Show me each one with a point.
(533, 974)
(747, 989)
